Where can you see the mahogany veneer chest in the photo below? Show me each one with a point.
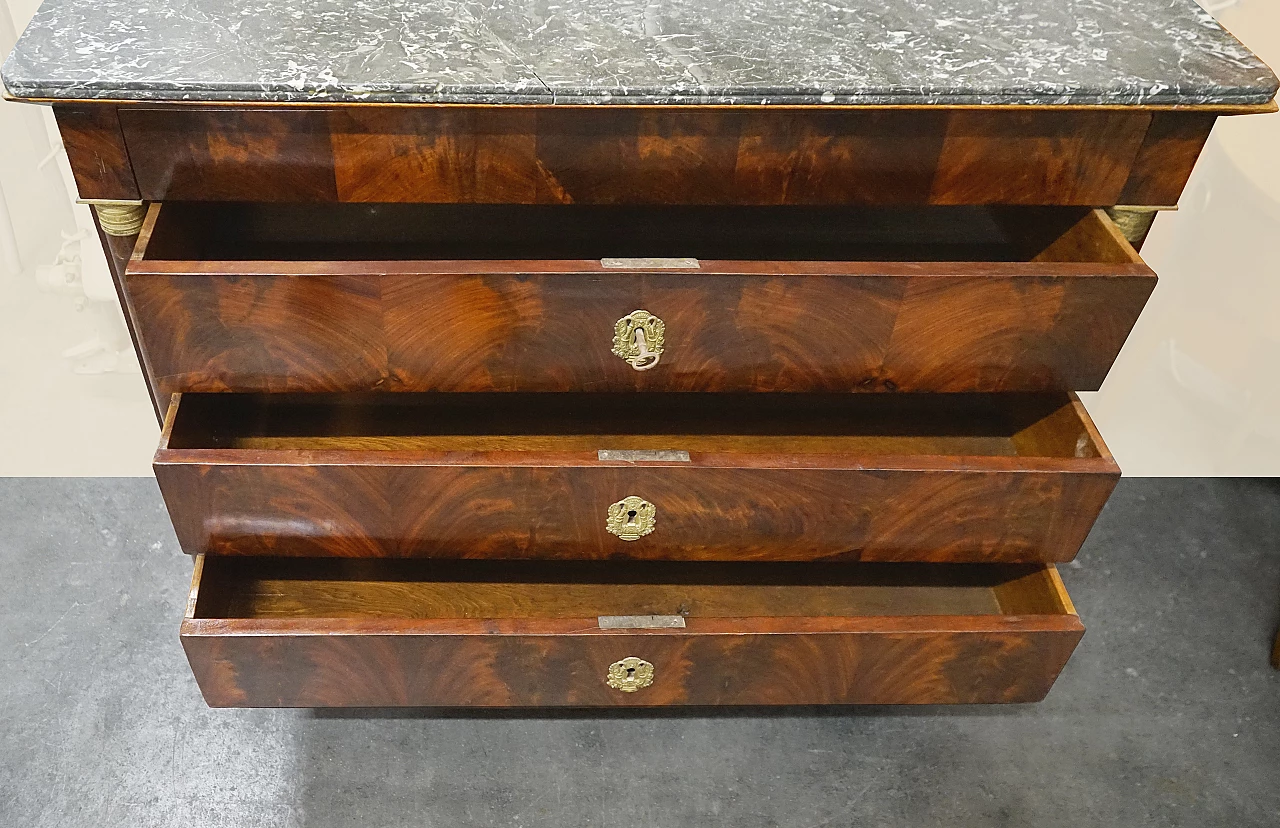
(485, 398)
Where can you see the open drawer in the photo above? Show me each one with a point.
(420, 297)
(872, 477)
(271, 632)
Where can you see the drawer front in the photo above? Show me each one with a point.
(1008, 654)
(570, 325)
(732, 497)
(611, 155)
(701, 514)
(484, 665)
(557, 332)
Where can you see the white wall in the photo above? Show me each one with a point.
(1196, 390)
(72, 400)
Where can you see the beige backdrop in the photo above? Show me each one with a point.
(1195, 392)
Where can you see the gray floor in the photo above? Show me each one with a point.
(1168, 714)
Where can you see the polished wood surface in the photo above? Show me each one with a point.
(977, 478)
(1047, 307)
(274, 587)
(671, 155)
(1059, 157)
(794, 156)
(1164, 162)
(230, 155)
(96, 148)
(268, 633)
(436, 248)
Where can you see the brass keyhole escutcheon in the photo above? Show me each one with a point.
(630, 674)
(637, 339)
(631, 518)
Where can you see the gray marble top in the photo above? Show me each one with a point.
(636, 52)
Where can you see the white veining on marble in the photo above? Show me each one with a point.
(633, 51)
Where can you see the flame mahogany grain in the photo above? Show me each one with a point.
(363, 499)
(95, 146)
(609, 156)
(1008, 649)
(658, 155)
(981, 478)
(547, 325)
(1166, 158)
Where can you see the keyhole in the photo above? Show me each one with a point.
(630, 518)
(631, 671)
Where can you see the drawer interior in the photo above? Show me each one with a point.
(200, 231)
(263, 587)
(1012, 425)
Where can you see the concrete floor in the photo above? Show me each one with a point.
(1167, 715)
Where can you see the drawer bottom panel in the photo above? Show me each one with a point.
(264, 632)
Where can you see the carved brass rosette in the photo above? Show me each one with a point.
(637, 339)
(630, 674)
(631, 518)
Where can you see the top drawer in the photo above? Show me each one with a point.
(407, 297)
(652, 154)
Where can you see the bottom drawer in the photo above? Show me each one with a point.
(298, 632)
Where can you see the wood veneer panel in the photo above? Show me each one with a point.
(96, 148)
(1037, 158)
(222, 154)
(435, 332)
(359, 664)
(436, 155)
(303, 478)
(658, 155)
(1168, 153)
(1057, 322)
(846, 158)
(254, 587)
(527, 658)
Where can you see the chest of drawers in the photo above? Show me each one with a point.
(497, 380)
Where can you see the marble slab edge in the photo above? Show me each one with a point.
(755, 98)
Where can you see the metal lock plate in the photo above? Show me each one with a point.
(631, 518)
(643, 455)
(650, 263)
(640, 622)
(637, 339)
(630, 674)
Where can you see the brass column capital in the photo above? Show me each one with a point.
(1134, 221)
(118, 218)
